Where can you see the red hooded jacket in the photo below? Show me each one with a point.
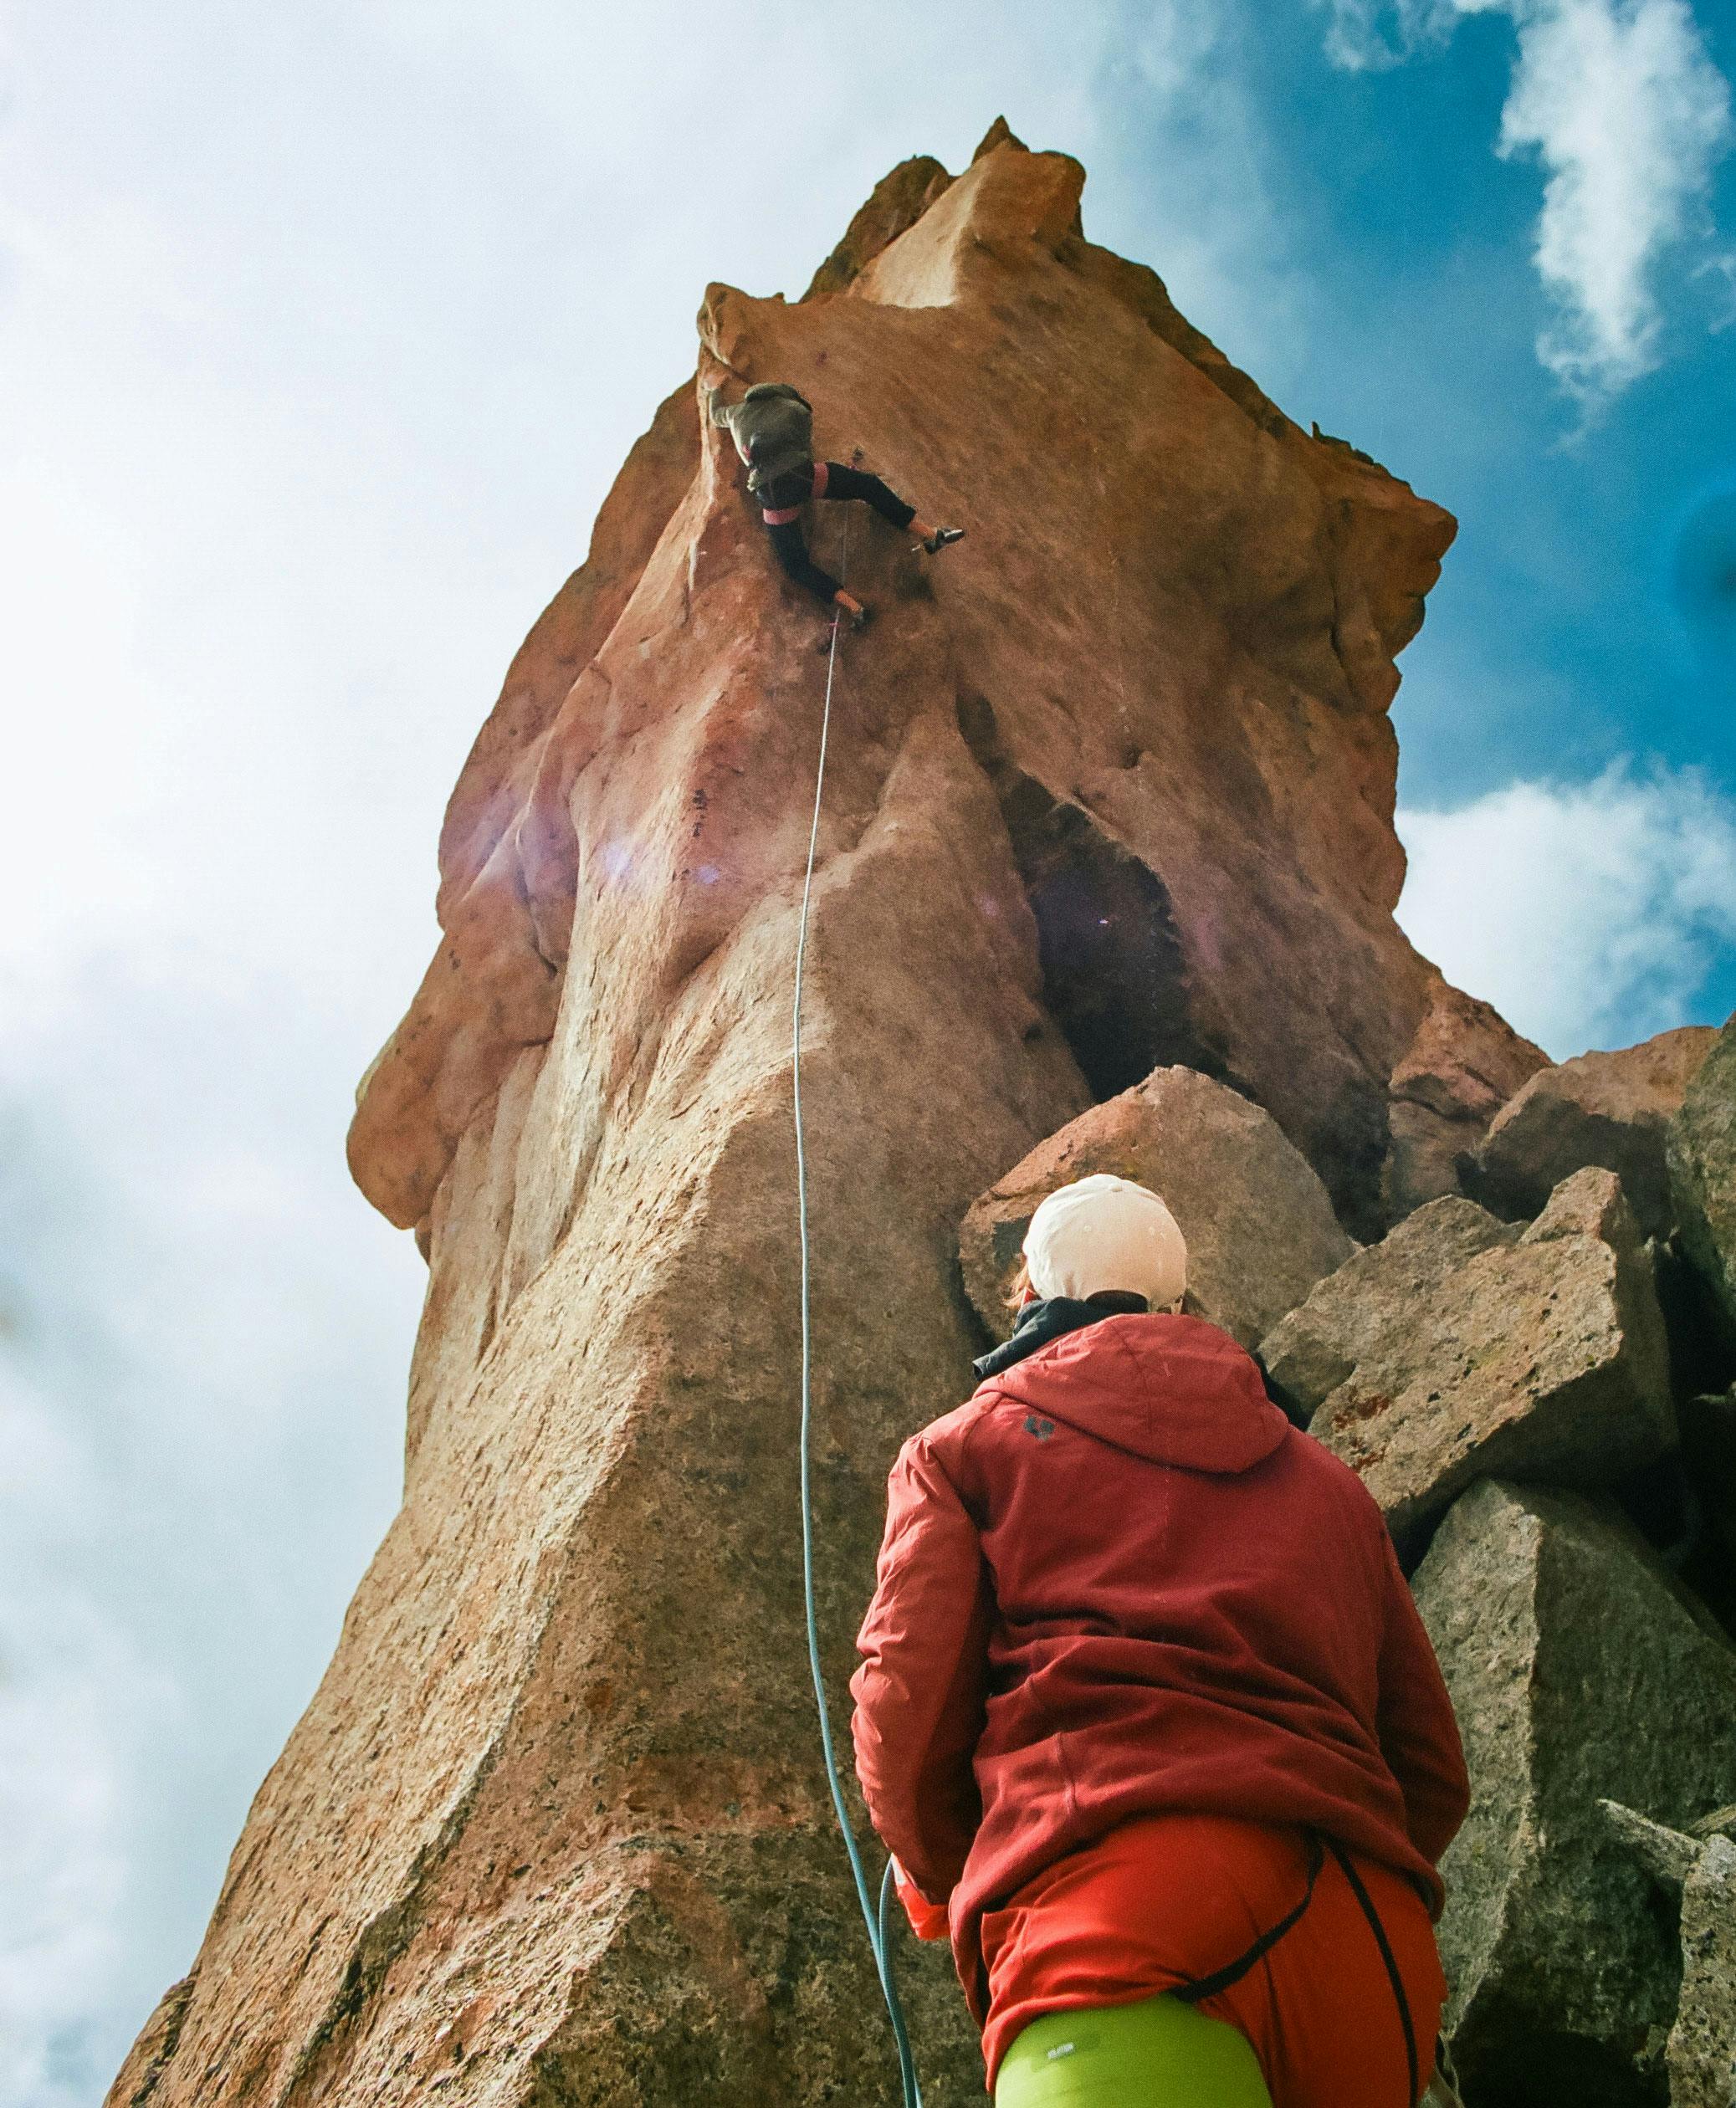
(1117, 1582)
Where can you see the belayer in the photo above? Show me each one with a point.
(773, 428)
(1146, 1713)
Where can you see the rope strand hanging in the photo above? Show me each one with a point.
(875, 1913)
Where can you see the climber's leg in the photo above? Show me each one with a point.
(833, 480)
(789, 546)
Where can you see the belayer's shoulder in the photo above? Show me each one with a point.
(945, 1440)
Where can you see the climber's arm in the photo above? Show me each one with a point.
(920, 1689)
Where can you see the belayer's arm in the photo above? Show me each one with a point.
(920, 1689)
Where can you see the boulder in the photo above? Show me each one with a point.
(1701, 2053)
(1259, 1225)
(1577, 1672)
(1364, 1313)
(1701, 1151)
(1609, 1109)
(1464, 1064)
(1698, 1871)
(1460, 1347)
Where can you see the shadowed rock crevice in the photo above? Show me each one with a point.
(1114, 977)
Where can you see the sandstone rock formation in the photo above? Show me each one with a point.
(1702, 1155)
(1698, 1873)
(1457, 1350)
(1463, 1066)
(1173, 677)
(1609, 1109)
(1577, 1673)
(1111, 787)
(1259, 1226)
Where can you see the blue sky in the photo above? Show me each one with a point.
(1555, 622)
(322, 332)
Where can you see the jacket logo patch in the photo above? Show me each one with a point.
(1041, 1429)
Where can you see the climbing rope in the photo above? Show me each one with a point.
(877, 1919)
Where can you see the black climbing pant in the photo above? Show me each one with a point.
(784, 499)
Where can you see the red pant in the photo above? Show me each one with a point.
(1170, 1899)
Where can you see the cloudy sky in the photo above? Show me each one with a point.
(322, 328)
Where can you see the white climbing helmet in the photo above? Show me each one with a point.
(1105, 1233)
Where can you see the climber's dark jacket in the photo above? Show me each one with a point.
(773, 428)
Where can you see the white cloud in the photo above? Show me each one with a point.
(1620, 102)
(1368, 36)
(1628, 115)
(1203, 199)
(1588, 913)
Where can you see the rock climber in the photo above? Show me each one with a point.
(1146, 1714)
(773, 428)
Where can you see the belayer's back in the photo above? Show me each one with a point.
(1195, 1604)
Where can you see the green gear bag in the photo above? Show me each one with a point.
(1158, 2053)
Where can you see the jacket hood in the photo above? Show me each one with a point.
(1041, 1323)
(1174, 1391)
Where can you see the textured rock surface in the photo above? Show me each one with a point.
(898, 202)
(1702, 1155)
(1709, 1448)
(1259, 1225)
(1463, 1067)
(1455, 1350)
(1610, 1109)
(1111, 786)
(1701, 1876)
(1701, 2050)
(1365, 1311)
(1576, 1673)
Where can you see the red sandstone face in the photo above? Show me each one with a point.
(1111, 787)
(1167, 646)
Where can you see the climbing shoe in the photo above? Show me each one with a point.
(943, 538)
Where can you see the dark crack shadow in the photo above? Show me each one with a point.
(1114, 978)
